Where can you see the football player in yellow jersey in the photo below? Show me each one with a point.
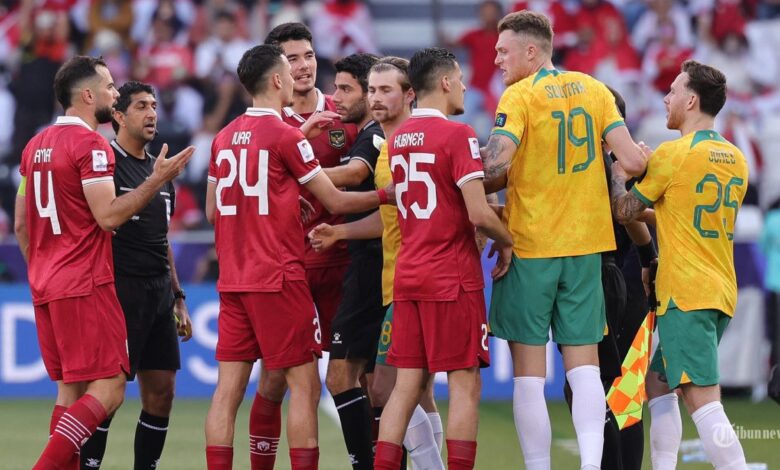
(696, 184)
(390, 98)
(545, 149)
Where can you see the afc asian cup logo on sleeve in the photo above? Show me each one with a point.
(306, 151)
(99, 160)
(500, 120)
(474, 147)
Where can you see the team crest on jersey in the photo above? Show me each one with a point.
(500, 120)
(99, 160)
(337, 138)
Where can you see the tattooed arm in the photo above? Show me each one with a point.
(625, 205)
(496, 157)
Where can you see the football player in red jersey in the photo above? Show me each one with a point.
(315, 114)
(63, 229)
(266, 309)
(439, 306)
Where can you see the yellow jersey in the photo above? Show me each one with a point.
(557, 200)
(391, 233)
(696, 185)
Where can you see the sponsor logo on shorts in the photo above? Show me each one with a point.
(337, 138)
(336, 338)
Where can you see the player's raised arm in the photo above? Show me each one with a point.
(110, 211)
(630, 154)
(496, 157)
(339, 202)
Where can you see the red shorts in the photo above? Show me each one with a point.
(325, 284)
(440, 336)
(281, 327)
(83, 338)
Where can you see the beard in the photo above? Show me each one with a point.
(103, 115)
(355, 114)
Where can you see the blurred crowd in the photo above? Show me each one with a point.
(189, 49)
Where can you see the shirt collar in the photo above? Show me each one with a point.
(368, 124)
(124, 153)
(258, 112)
(428, 112)
(288, 111)
(71, 121)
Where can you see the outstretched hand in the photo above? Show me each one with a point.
(503, 260)
(323, 237)
(169, 168)
(317, 122)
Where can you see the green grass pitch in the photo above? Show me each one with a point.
(24, 423)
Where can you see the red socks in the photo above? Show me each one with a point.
(56, 414)
(219, 457)
(304, 459)
(73, 428)
(265, 426)
(461, 454)
(388, 456)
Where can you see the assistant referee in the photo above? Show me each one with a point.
(146, 282)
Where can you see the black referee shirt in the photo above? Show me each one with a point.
(141, 245)
(365, 149)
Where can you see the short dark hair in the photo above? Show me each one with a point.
(619, 101)
(708, 83)
(532, 23)
(71, 74)
(390, 62)
(427, 65)
(255, 65)
(126, 93)
(225, 15)
(288, 32)
(358, 65)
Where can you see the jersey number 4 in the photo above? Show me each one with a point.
(413, 174)
(50, 210)
(238, 168)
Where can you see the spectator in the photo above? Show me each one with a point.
(44, 45)
(208, 13)
(113, 15)
(109, 45)
(768, 9)
(340, 28)
(221, 52)
(480, 45)
(663, 60)
(163, 61)
(646, 30)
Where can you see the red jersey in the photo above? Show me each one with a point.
(430, 158)
(69, 254)
(481, 44)
(257, 162)
(331, 149)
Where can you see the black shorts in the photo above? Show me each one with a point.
(610, 359)
(356, 328)
(152, 339)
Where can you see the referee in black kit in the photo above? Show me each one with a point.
(146, 283)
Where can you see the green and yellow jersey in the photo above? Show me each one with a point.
(557, 200)
(391, 233)
(696, 185)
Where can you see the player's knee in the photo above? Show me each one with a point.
(336, 383)
(272, 386)
(159, 402)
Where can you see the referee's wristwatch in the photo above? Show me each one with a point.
(179, 294)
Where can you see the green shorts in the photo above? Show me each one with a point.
(688, 346)
(539, 293)
(386, 337)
